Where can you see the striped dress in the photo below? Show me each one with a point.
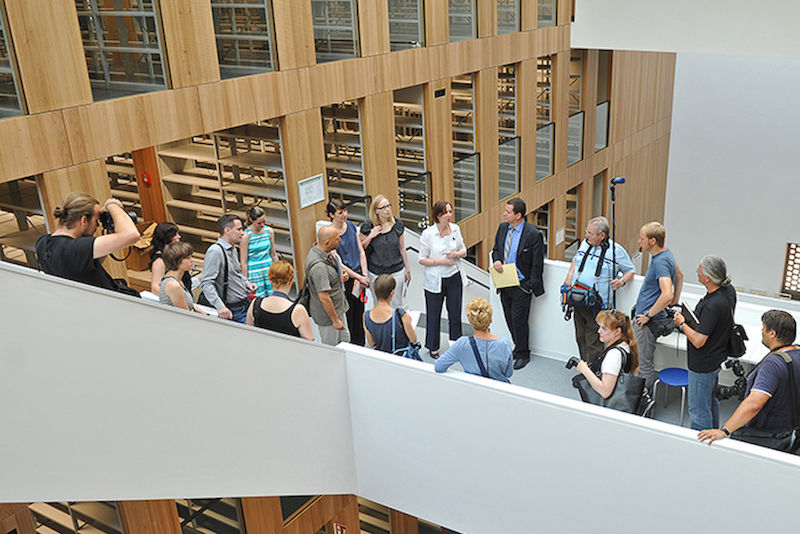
(259, 260)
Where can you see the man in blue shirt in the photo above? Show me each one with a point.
(661, 288)
(768, 404)
(595, 247)
(520, 243)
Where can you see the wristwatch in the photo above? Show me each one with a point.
(725, 430)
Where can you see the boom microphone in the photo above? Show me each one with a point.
(617, 181)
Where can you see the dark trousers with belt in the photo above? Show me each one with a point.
(355, 315)
(516, 308)
(451, 291)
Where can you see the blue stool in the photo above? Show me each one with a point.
(677, 378)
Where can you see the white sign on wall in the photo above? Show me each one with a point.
(311, 190)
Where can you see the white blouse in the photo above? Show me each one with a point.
(434, 246)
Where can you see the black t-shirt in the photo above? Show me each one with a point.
(73, 259)
(715, 312)
(383, 252)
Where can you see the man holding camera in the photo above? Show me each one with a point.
(224, 286)
(73, 252)
(768, 404)
(661, 288)
(594, 262)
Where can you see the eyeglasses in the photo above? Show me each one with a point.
(385, 206)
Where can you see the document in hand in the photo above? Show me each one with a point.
(688, 314)
(508, 278)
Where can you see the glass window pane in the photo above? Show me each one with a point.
(9, 93)
(406, 24)
(122, 44)
(547, 13)
(22, 221)
(507, 16)
(341, 131)
(335, 30)
(545, 137)
(76, 517)
(462, 20)
(243, 30)
(544, 87)
(221, 516)
(412, 179)
(601, 126)
(509, 149)
(575, 138)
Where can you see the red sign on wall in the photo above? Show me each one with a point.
(339, 529)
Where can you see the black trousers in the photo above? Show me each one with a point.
(355, 315)
(451, 290)
(589, 344)
(516, 307)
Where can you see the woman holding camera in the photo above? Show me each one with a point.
(620, 355)
(177, 259)
(483, 353)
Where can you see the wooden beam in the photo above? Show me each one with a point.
(373, 24)
(294, 34)
(262, 515)
(438, 138)
(52, 65)
(190, 42)
(437, 22)
(378, 148)
(403, 523)
(149, 517)
(486, 136)
(148, 182)
(487, 17)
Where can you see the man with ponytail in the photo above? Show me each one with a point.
(73, 251)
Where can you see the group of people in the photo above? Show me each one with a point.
(252, 286)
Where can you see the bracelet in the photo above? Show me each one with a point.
(725, 430)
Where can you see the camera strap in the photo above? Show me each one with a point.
(792, 384)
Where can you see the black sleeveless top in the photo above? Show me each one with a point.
(277, 322)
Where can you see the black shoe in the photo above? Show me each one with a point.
(520, 363)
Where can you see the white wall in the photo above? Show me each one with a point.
(735, 27)
(733, 184)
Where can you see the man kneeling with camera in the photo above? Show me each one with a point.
(768, 414)
(73, 252)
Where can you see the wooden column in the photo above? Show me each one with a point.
(151, 196)
(303, 156)
(149, 517)
(373, 25)
(378, 149)
(487, 17)
(401, 523)
(526, 122)
(528, 15)
(486, 136)
(52, 66)
(559, 100)
(589, 102)
(347, 515)
(341, 509)
(16, 518)
(437, 22)
(438, 138)
(262, 515)
(90, 178)
(189, 41)
(294, 34)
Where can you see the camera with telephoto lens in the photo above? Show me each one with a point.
(107, 222)
(572, 362)
(739, 385)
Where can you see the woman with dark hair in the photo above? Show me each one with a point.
(620, 355)
(379, 320)
(441, 246)
(177, 258)
(384, 244)
(257, 251)
(278, 312)
(354, 263)
(164, 234)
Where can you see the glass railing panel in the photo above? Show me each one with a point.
(466, 186)
(507, 16)
(122, 44)
(9, 92)
(413, 209)
(545, 143)
(221, 516)
(463, 25)
(601, 126)
(335, 30)
(243, 31)
(96, 517)
(22, 221)
(508, 169)
(547, 13)
(406, 24)
(575, 138)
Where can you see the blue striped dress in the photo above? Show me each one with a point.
(259, 260)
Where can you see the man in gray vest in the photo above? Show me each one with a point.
(327, 302)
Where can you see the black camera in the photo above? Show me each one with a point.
(572, 362)
(107, 222)
(739, 385)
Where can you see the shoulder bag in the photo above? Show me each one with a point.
(484, 369)
(579, 295)
(629, 393)
(202, 300)
(409, 351)
(779, 440)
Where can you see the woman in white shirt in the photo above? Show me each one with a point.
(621, 353)
(441, 246)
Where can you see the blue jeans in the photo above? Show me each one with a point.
(240, 312)
(703, 405)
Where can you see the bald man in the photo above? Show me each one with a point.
(328, 303)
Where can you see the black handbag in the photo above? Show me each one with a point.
(629, 392)
(736, 346)
(779, 440)
(410, 351)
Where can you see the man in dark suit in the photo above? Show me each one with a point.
(519, 242)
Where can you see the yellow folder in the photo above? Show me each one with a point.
(508, 278)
